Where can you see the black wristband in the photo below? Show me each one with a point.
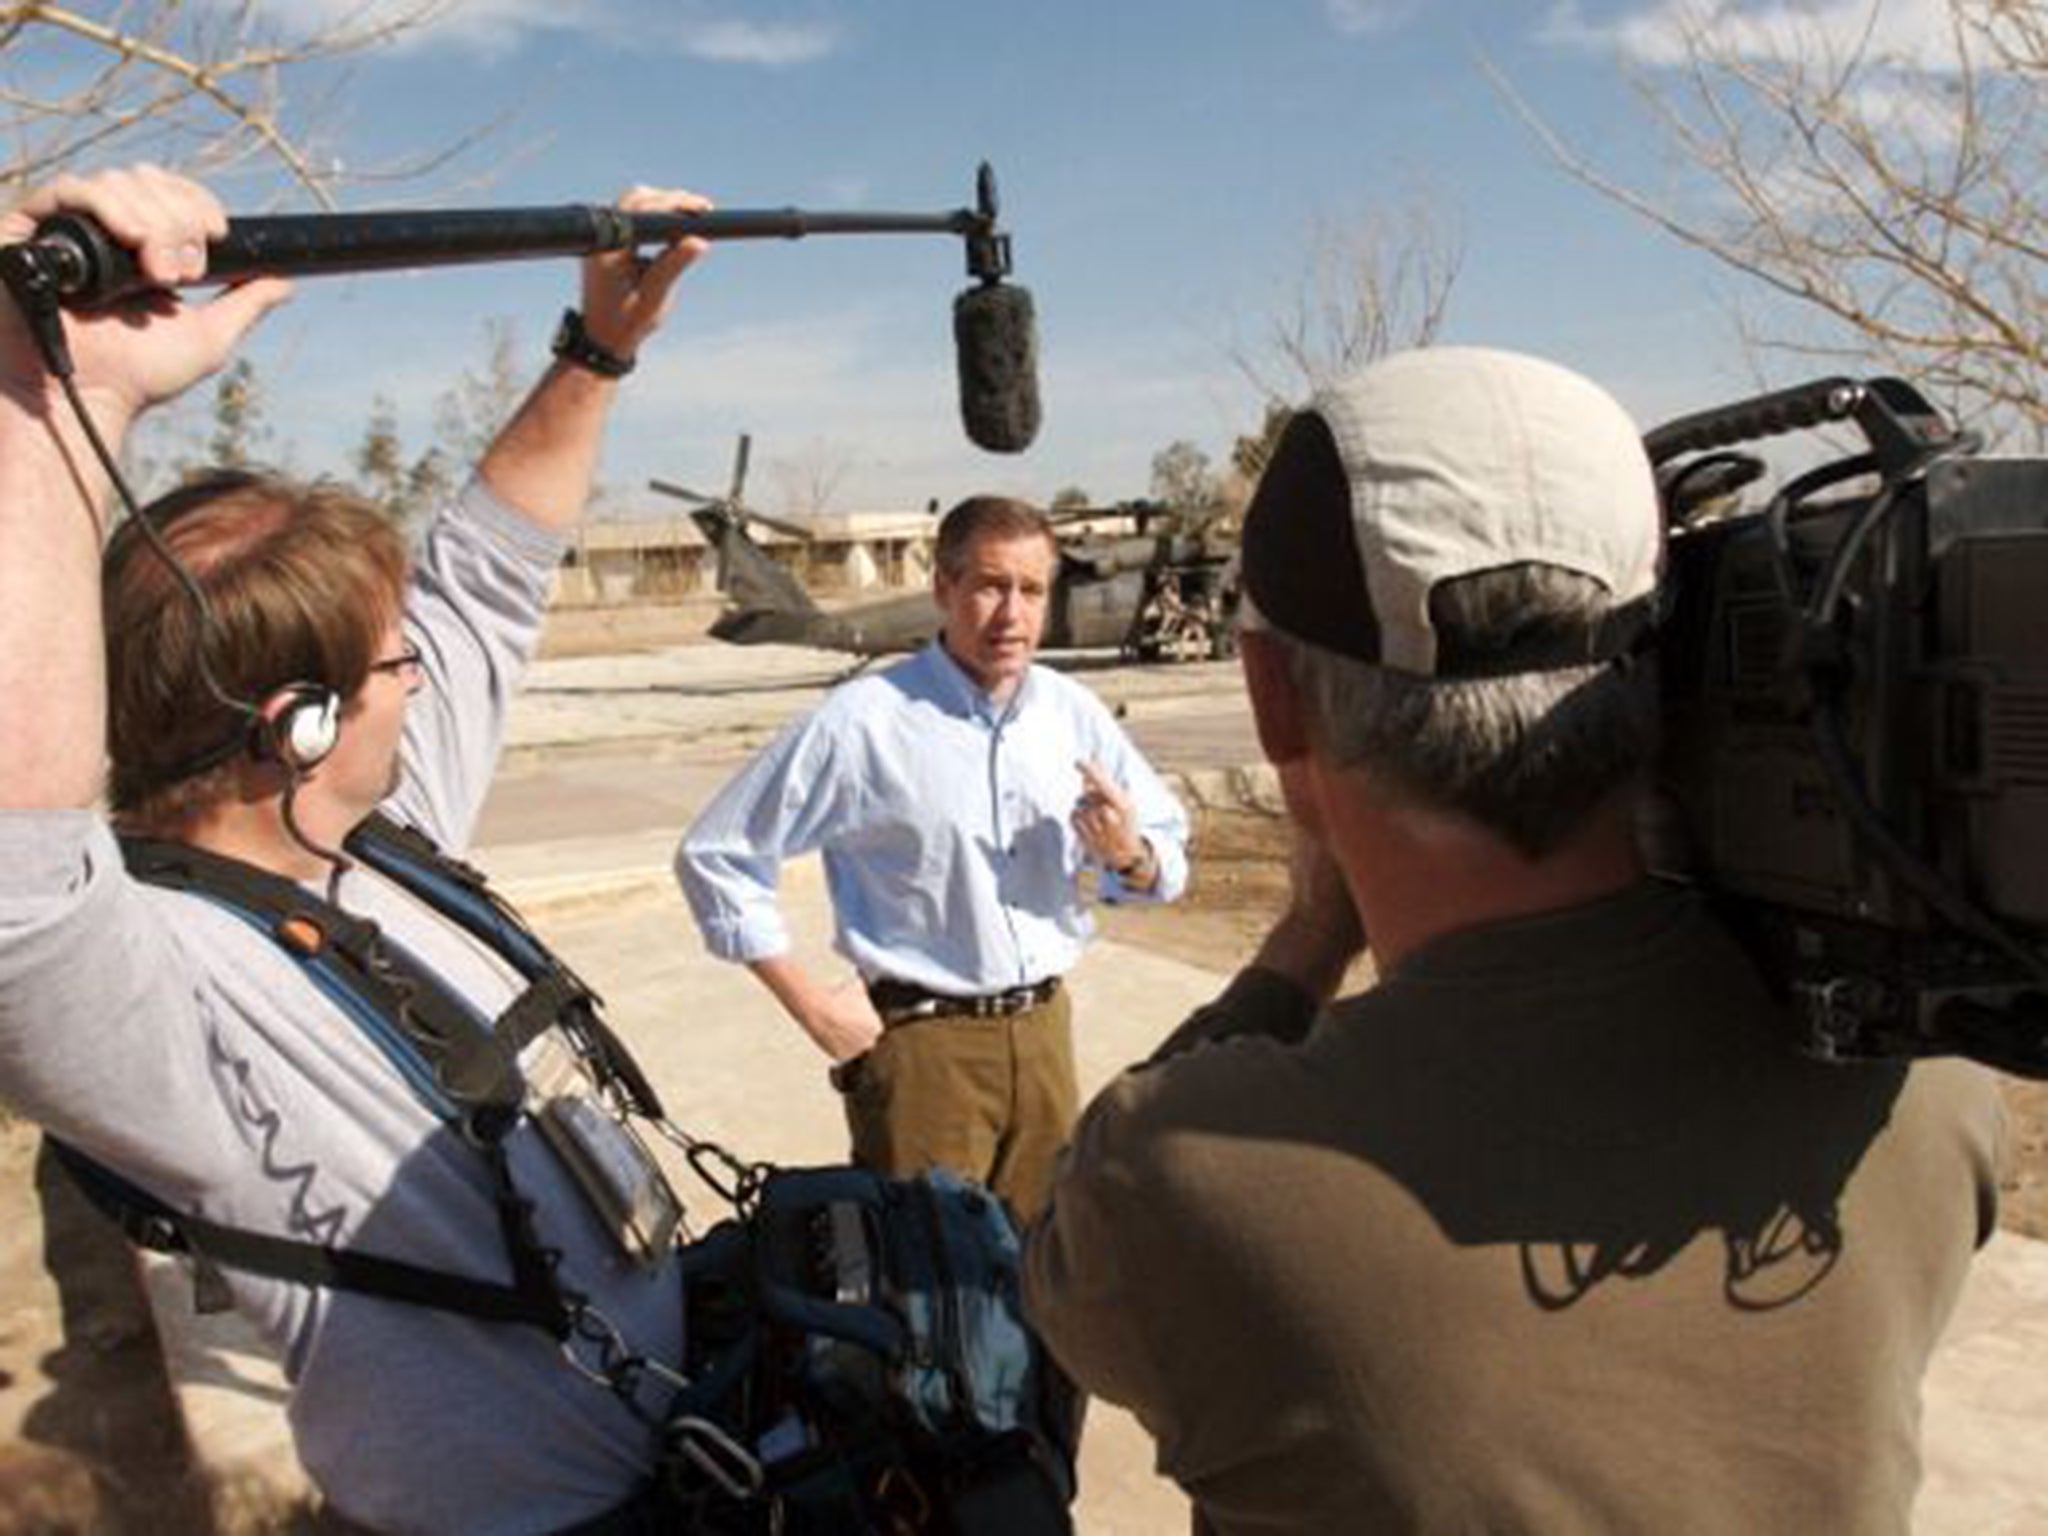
(1137, 865)
(573, 345)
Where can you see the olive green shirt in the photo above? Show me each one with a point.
(1547, 1232)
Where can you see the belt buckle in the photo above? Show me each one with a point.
(911, 1013)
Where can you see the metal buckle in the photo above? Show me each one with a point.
(1020, 999)
(910, 1013)
(718, 1456)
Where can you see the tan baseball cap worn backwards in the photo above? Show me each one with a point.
(1441, 463)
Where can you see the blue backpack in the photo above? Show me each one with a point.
(861, 1340)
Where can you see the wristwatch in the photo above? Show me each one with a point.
(572, 344)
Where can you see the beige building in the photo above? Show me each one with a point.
(651, 559)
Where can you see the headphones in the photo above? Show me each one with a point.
(297, 727)
(305, 728)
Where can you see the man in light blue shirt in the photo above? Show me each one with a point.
(955, 797)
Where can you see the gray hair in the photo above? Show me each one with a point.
(1527, 756)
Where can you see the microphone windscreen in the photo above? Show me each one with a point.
(996, 336)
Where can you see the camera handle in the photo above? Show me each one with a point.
(1894, 417)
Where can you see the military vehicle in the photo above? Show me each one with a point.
(1161, 588)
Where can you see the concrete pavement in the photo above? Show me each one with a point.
(606, 759)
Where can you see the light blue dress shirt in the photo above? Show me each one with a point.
(944, 825)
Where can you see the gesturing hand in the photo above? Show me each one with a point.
(1104, 821)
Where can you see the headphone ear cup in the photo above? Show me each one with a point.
(306, 729)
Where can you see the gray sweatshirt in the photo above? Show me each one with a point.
(166, 1037)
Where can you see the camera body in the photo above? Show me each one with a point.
(1855, 762)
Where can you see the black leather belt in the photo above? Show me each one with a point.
(899, 1002)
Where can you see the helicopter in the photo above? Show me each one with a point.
(1166, 590)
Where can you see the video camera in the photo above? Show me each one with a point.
(1856, 712)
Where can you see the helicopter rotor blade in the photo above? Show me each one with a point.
(682, 493)
(742, 452)
(781, 525)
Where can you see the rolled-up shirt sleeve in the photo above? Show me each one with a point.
(780, 806)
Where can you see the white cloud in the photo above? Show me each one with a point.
(845, 192)
(750, 42)
(489, 27)
(1904, 51)
(499, 26)
(1566, 26)
(1911, 33)
(1356, 17)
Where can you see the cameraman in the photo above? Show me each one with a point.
(1549, 1230)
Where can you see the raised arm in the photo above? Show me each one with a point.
(97, 1016)
(481, 573)
(52, 489)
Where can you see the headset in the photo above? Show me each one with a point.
(305, 727)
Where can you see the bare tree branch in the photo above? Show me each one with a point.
(808, 479)
(1365, 288)
(189, 86)
(1895, 199)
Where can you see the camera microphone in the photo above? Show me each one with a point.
(996, 336)
(71, 261)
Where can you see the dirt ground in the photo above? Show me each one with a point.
(88, 1440)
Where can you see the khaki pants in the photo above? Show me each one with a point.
(991, 1099)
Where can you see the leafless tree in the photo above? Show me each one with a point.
(196, 85)
(1183, 478)
(472, 411)
(807, 480)
(239, 425)
(1366, 287)
(1884, 177)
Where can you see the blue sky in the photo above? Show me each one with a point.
(1162, 167)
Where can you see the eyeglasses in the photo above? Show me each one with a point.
(405, 664)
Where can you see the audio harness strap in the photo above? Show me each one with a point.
(463, 1068)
